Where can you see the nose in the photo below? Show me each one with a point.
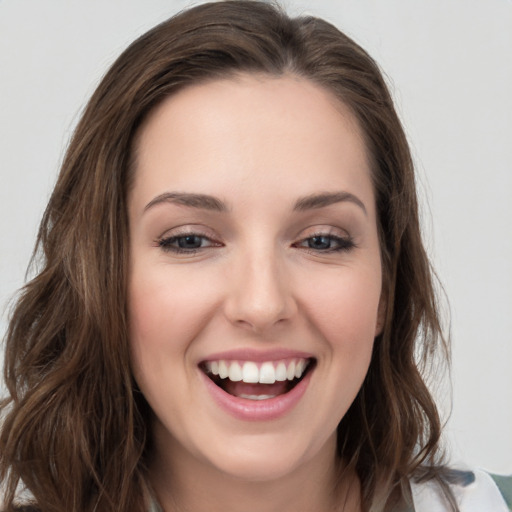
(260, 292)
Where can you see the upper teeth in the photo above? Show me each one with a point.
(263, 373)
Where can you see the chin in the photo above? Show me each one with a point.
(264, 460)
(259, 469)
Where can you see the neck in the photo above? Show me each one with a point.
(192, 486)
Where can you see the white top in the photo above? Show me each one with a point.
(482, 495)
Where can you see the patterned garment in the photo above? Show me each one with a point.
(478, 492)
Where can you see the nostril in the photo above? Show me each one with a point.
(259, 317)
(260, 298)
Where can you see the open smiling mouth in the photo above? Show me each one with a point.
(258, 381)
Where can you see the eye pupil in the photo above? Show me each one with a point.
(319, 242)
(189, 242)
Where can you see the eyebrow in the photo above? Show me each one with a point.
(324, 199)
(207, 202)
(202, 201)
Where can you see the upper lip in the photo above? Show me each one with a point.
(257, 355)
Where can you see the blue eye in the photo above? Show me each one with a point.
(186, 243)
(189, 242)
(320, 242)
(326, 243)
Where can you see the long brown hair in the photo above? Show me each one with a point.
(75, 429)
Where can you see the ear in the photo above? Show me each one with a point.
(381, 314)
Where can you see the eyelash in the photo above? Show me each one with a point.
(343, 244)
(166, 243)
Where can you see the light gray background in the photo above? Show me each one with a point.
(450, 63)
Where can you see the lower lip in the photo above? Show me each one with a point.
(257, 410)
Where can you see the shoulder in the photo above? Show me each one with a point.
(474, 491)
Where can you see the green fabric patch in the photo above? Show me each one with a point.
(504, 484)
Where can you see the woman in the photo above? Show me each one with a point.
(233, 288)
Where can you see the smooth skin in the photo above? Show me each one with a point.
(283, 253)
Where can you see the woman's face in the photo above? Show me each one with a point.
(254, 261)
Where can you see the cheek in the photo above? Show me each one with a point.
(345, 310)
(166, 306)
(165, 314)
(160, 325)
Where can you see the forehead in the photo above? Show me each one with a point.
(253, 130)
